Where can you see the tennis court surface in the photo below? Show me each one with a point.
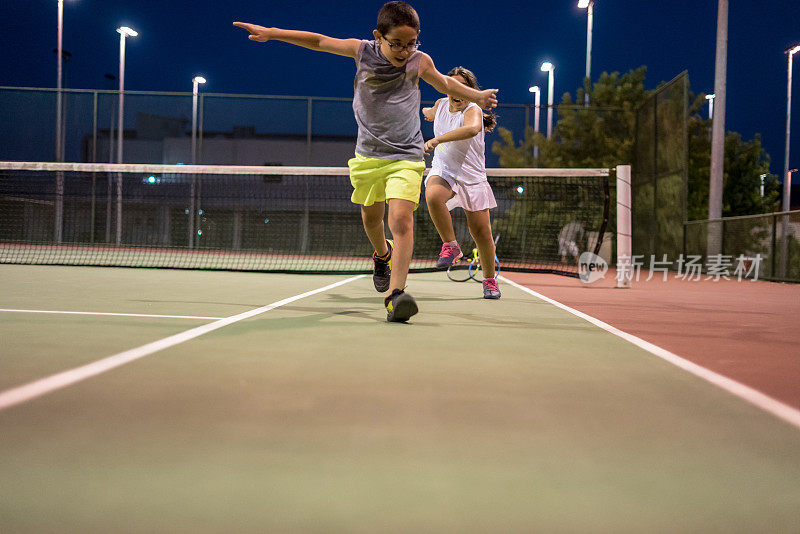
(315, 415)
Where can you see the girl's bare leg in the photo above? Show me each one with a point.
(480, 228)
(437, 193)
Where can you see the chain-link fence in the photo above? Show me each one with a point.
(772, 241)
(230, 129)
(660, 171)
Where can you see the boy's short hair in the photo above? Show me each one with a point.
(394, 14)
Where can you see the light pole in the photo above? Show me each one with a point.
(196, 81)
(715, 181)
(762, 176)
(59, 153)
(787, 183)
(589, 6)
(536, 96)
(710, 99)
(111, 128)
(549, 68)
(59, 203)
(787, 175)
(123, 32)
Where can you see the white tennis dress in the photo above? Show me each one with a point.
(462, 164)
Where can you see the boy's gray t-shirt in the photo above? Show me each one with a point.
(387, 106)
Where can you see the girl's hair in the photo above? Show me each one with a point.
(489, 119)
(394, 14)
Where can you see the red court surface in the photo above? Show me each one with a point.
(746, 330)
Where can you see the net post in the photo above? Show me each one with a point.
(624, 270)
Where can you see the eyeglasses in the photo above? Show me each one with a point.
(397, 47)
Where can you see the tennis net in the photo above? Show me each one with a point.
(276, 219)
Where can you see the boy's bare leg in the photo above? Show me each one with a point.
(481, 229)
(437, 193)
(401, 225)
(372, 217)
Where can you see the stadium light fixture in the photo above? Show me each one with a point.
(549, 68)
(127, 32)
(710, 99)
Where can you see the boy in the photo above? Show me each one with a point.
(389, 157)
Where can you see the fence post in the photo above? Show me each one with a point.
(306, 222)
(772, 250)
(308, 132)
(683, 248)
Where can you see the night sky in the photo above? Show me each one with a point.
(502, 42)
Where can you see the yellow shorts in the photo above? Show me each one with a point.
(377, 180)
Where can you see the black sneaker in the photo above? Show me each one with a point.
(382, 270)
(400, 306)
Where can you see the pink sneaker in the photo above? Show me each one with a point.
(490, 289)
(449, 255)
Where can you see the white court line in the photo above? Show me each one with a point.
(109, 313)
(775, 407)
(57, 381)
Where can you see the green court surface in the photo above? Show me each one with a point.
(318, 416)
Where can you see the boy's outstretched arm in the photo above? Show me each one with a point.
(314, 41)
(486, 99)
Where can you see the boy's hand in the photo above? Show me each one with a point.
(257, 33)
(488, 99)
(430, 144)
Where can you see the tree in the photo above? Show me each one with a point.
(745, 162)
(601, 135)
(604, 135)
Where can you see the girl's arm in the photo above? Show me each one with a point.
(486, 99)
(473, 124)
(314, 41)
(430, 113)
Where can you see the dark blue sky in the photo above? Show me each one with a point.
(502, 42)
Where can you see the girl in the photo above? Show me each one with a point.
(458, 176)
